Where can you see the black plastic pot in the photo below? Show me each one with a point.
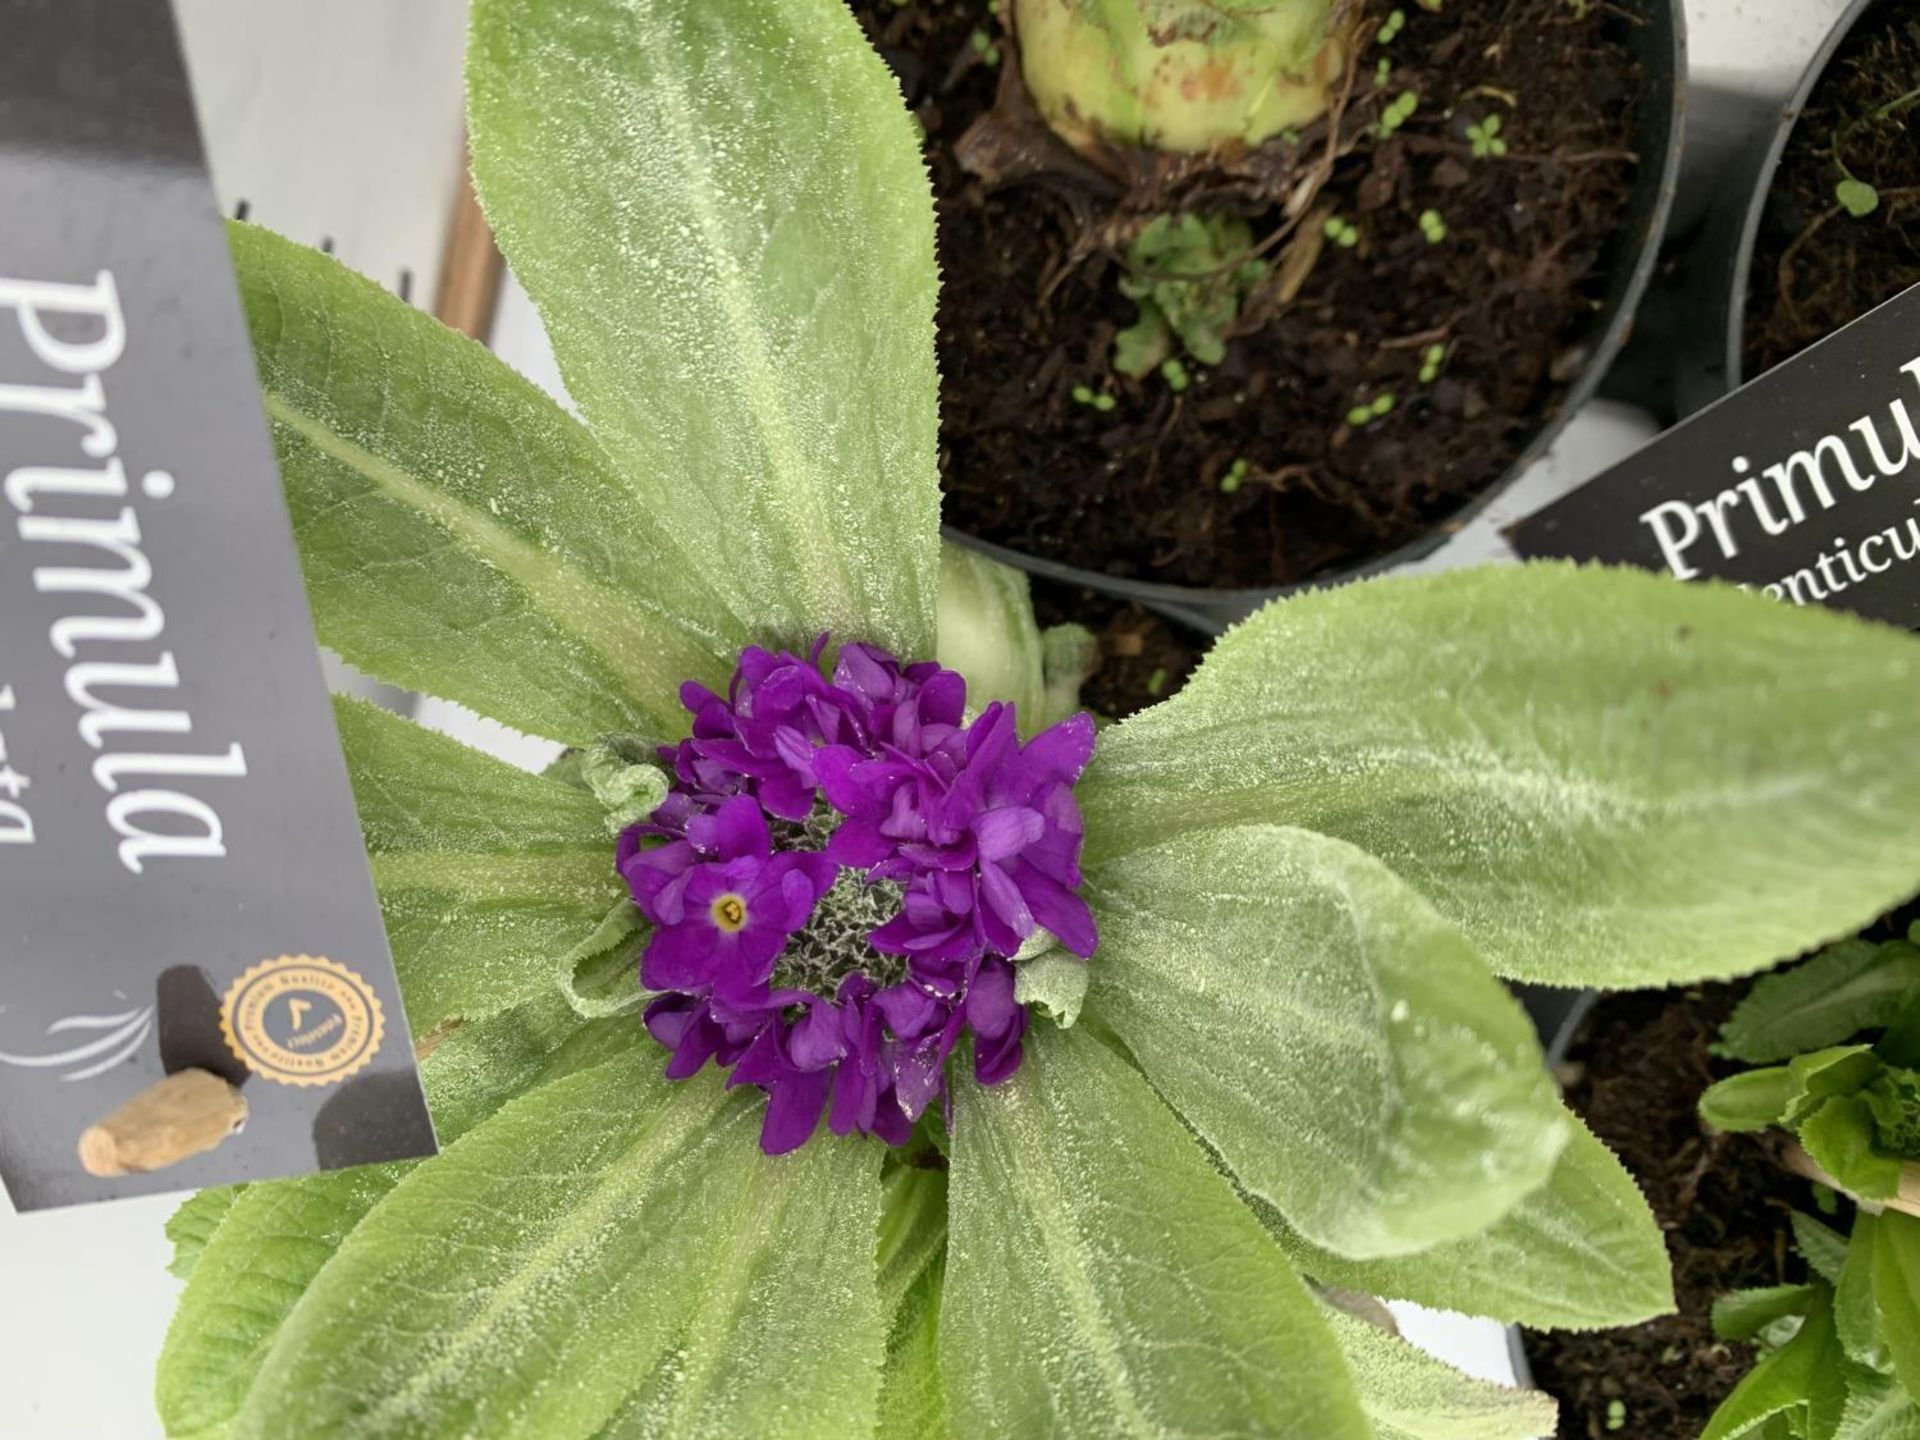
(1704, 326)
(1660, 46)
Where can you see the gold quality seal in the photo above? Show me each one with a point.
(302, 1020)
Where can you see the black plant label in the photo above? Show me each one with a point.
(182, 879)
(1803, 485)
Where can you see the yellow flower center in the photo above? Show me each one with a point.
(729, 913)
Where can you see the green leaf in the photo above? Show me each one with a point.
(1817, 1077)
(1855, 1312)
(1603, 777)
(1896, 1290)
(460, 533)
(277, 1235)
(601, 975)
(988, 633)
(1846, 988)
(1409, 1395)
(913, 1248)
(490, 878)
(1327, 1033)
(1782, 1381)
(1901, 1044)
(1878, 1408)
(1822, 1247)
(1103, 1281)
(625, 776)
(623, 1261)
(1751, 1100)
(1743, 1314)
(1894, 1099)
(1839, 1137)
(1580, 1253)
(1141, 346)
(1070, 654)
(1856, 197)
(192, 1226)
(912, 1399)
(721, 210)
(1056, 982)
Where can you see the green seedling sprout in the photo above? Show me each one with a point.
(1190, 275)
(1399, 112)
(1433, 226)
(1341, 232)
(984, 47)
(1179, 75)
(1368, 411)
(1390, 27)
(1485, 138)
(1236, 474)
(1430, 362)
(1175, 374)
(1094, 399)
(1859, 198)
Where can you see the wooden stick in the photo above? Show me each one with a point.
(471, 268)
(184, 1115)
(1907, 1202)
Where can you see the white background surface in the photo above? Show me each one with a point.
(340, 118)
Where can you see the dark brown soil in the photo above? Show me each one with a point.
(1030, 302)
(1638, 1069)
(1144, 657)
(1816, 267)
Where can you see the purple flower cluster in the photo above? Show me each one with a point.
(839, 878)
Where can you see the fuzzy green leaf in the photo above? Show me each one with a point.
(1896, 1290)
(1743, 1314)
(1070, 654)
(1819, 1075)
(1580, 1253)
(1878, 1408)
(600, 975)
(1846, 988)
(1839, 1137)
(912, 1399)
(490, 878)
(1784, 1380)
(720, 208)
(1327, 1033)
(1603, 777)
(192, 1226)
(1751, 1100)
(1894, 1099)
(1855, 1312)
(1102, 1279)
(1821, 1246)
(913, 1250)
(460, 533)
(623, 1260)
(988, 633)
(1409, 1395)
(276, 1236)
(1055, 983)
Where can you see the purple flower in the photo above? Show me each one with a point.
(846, 869)
(988, 829)
(720, 922)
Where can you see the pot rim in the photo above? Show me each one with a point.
(1653, 198)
